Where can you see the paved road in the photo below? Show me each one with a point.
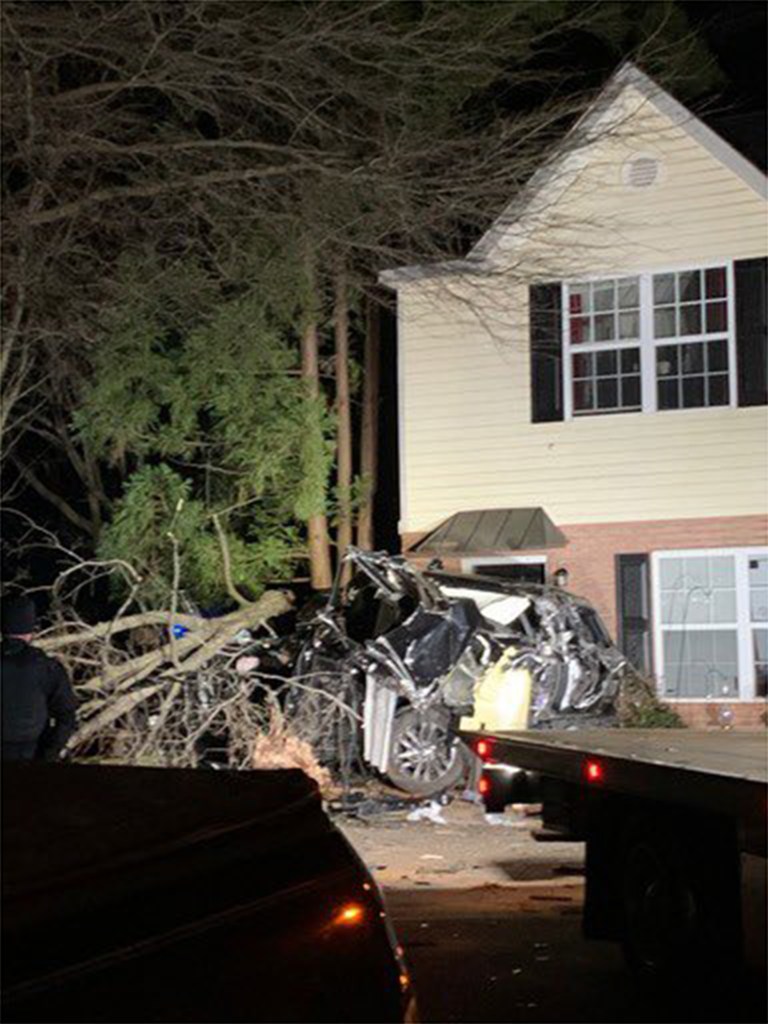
(491, 924)
(499, 954)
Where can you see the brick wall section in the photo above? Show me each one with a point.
(704, 715)
(590, 559)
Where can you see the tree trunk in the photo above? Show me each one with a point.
(369, 434)
(343, 418)
(320, 573)
(84, 464)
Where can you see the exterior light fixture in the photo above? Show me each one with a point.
(560, 577)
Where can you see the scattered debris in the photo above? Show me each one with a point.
(500, 819)
(364, 807)
(428, 812)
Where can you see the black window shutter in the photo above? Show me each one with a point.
(546, 352)
(751, 331)
(633, 610)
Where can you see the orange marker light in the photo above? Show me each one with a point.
(350, 914)
(593, 771)
(483, 786)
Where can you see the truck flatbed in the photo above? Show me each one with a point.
(674, 822)
(720, 771)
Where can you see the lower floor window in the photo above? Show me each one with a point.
(518, 569)
(758, 617)
(711, 611)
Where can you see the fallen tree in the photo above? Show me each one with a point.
(155, 706)
(160, 683)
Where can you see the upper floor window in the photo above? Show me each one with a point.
(662, 340)
(649, 342)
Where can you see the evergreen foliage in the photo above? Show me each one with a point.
(196, 384)
(640, 707)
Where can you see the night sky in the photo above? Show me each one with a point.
(737, 34)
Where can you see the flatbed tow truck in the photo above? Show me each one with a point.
(674, 823)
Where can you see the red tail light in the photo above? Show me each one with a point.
(593, 771)
(483, 749)
(483, 786)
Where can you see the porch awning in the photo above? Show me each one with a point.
(492, 530)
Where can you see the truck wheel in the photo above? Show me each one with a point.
(680, 895)
(661, 911)
(426, 757)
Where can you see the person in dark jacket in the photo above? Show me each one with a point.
(38, 704)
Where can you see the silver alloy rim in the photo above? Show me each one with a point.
(424, 751)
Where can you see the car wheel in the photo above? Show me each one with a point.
(425, 757)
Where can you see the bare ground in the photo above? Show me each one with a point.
(465, 850)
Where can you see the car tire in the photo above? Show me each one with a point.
(425, 755)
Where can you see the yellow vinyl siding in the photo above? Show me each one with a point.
(588, 221)
(469, 443)
(467, 439)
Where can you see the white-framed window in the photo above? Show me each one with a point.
(654, 341)
(518, 568)
(711, 623)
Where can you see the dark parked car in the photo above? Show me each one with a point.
(150, 894)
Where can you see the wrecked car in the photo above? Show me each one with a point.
(413, 655)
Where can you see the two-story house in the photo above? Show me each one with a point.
(585, 394)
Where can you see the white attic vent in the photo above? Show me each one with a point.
(641, 171)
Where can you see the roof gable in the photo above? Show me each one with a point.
(592, 123)
(480, 259)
